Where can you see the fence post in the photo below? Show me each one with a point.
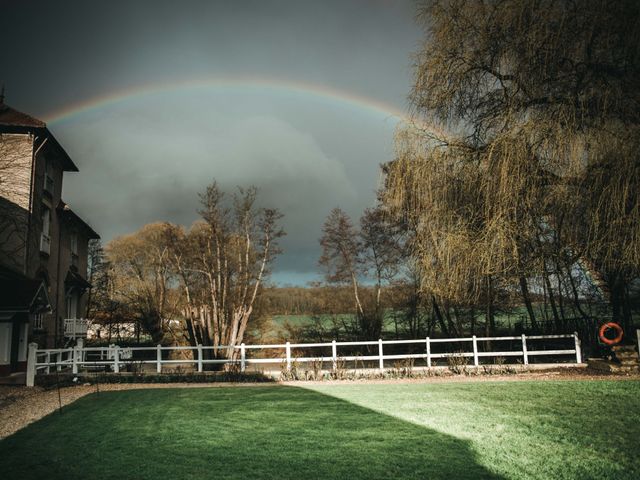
(59, 361)
(475, 351)
(638, 335)
(31, 364)
(381, 357)
(243, 357)
(288, 353)
(199, 358)
(428, 352)
(74, 360)
(524, 349)
(48, 362)
(578, 350)
(80, 345)
(159, 359)
(116, 359)
(334, 354)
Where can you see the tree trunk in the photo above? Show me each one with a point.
(438, 315)
(552, 301)
(576, 297)
(524, 289)
(490, 323)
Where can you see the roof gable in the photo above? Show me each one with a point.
(19, 293)
(13, 121)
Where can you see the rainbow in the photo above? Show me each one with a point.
(220, 84)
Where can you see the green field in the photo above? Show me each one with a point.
(277, 332)
(562, 429)
(502, 319)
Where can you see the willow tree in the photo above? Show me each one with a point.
(538, 170)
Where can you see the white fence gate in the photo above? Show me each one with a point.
(114, 357)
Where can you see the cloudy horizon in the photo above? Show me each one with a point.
(153, 101)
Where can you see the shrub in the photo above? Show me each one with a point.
(457, 363)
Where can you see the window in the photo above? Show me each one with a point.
(48, 179)
(48, 183)
(45, 240)
(46, 220)
(37, 321)
(74, 243)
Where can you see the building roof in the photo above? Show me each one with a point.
(13, 121)
(11, 117)
(70, 214)
(75, 279)
(19, 293)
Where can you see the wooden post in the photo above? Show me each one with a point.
(524, 350)
(199, 358)
(475, 352)
(428, 352)
(288, 353)
(116, 359)
(380, 355)
(578, 349)
(31, 364)
(334, 354)
(243, 358)
(59, 361)
(159, 359)
(638, 344)
(48, 362)
(74, 368)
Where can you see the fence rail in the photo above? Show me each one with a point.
(82, 358)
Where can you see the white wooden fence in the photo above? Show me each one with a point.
(114, 357)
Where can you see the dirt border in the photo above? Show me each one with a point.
(21, 406)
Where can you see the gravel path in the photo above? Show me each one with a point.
(20, 406)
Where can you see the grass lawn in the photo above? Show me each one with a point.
(564, 429)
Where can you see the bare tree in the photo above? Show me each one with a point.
(374, 252)
(142, 278)
(341, 253)
(222, 263)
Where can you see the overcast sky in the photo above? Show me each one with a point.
(154, 99)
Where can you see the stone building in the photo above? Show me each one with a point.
(43, 243)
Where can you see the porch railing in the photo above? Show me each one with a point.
(76, 327)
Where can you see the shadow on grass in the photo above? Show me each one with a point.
(251, 432)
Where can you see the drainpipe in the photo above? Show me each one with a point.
(58, 277)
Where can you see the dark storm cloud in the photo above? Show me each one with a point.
(145, 159)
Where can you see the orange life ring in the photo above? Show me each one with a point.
(610, 341)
